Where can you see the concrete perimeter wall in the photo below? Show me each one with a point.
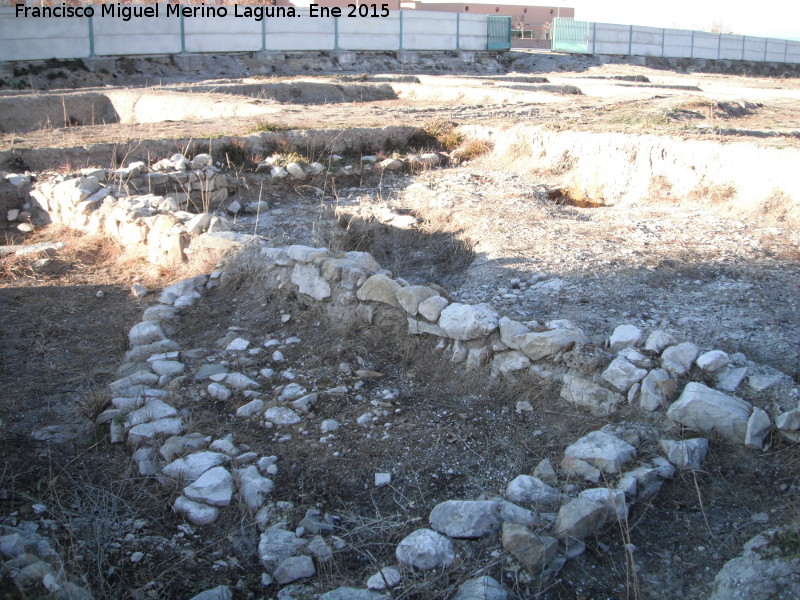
(31, 38)
(635, 40)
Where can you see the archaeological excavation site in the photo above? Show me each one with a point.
(461, 326)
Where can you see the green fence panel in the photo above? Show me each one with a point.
(499, 33)
(570, 36)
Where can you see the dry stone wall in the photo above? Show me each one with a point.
(179, 206)
(544, 518)
(660, 384)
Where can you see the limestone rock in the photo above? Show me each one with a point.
(237, 345)
(509, 330)
(351, 593)
(149, 431)
(788, 425)
(308, 280)
(195, 512)
(633, 356)
(685, 454)
(160, 312)
(761, 572)
(276, 545)
(192, 466)
(622, 374)
(217, 391)
(418, 327)
(432, 308)
(386, 578)
(541, 345)
(306, 254)
(379, 288)
(291, 390)
(647, 478)
(728, 379)
(605, 451)
(177, 445)
(614, 501)
(764, 378)
(575, 467)
(390, 164)
(580, 517)
(477, 358)
(152, 410)
(182, 288)
(315, 523)
(425, 550)
(532, 490)
(587, 394)
(207, 370)
(410, 297)
(658, 340)
(214, 487)
(625, 336)
(280, 415)
(657, 390)
(295, 171)
(508, 512)
(544, 471)
(126, 386)
(239, 381)
(465, 518)
(168, 368)
(758, 428)
(481, 588)
(294, 568)
(12, 545)
(320, 549)
(428, 159)
(535, 552)
(507, 363)
(466, 321)
(139, 353)
(713, 361)
(679, 359)
(221, 592)
(252, 408)
(709, 411)
(253, 487)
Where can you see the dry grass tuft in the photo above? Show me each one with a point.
(471, 149)
(713, 194)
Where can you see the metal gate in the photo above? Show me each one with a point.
(499, 33)
(570, 36)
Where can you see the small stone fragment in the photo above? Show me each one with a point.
(532, 490)
(294, 568)
(535, 552)
(469, 519)
(425, 550)
(685, 454)
(624, 336)
(386, 578)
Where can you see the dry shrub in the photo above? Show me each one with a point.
(660, 189)
(93, 401)
(438, 134)
(714, 194)
(471, 149)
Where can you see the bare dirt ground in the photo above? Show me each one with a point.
(593, 97)
(711, 277)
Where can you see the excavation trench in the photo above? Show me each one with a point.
(21, 113)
